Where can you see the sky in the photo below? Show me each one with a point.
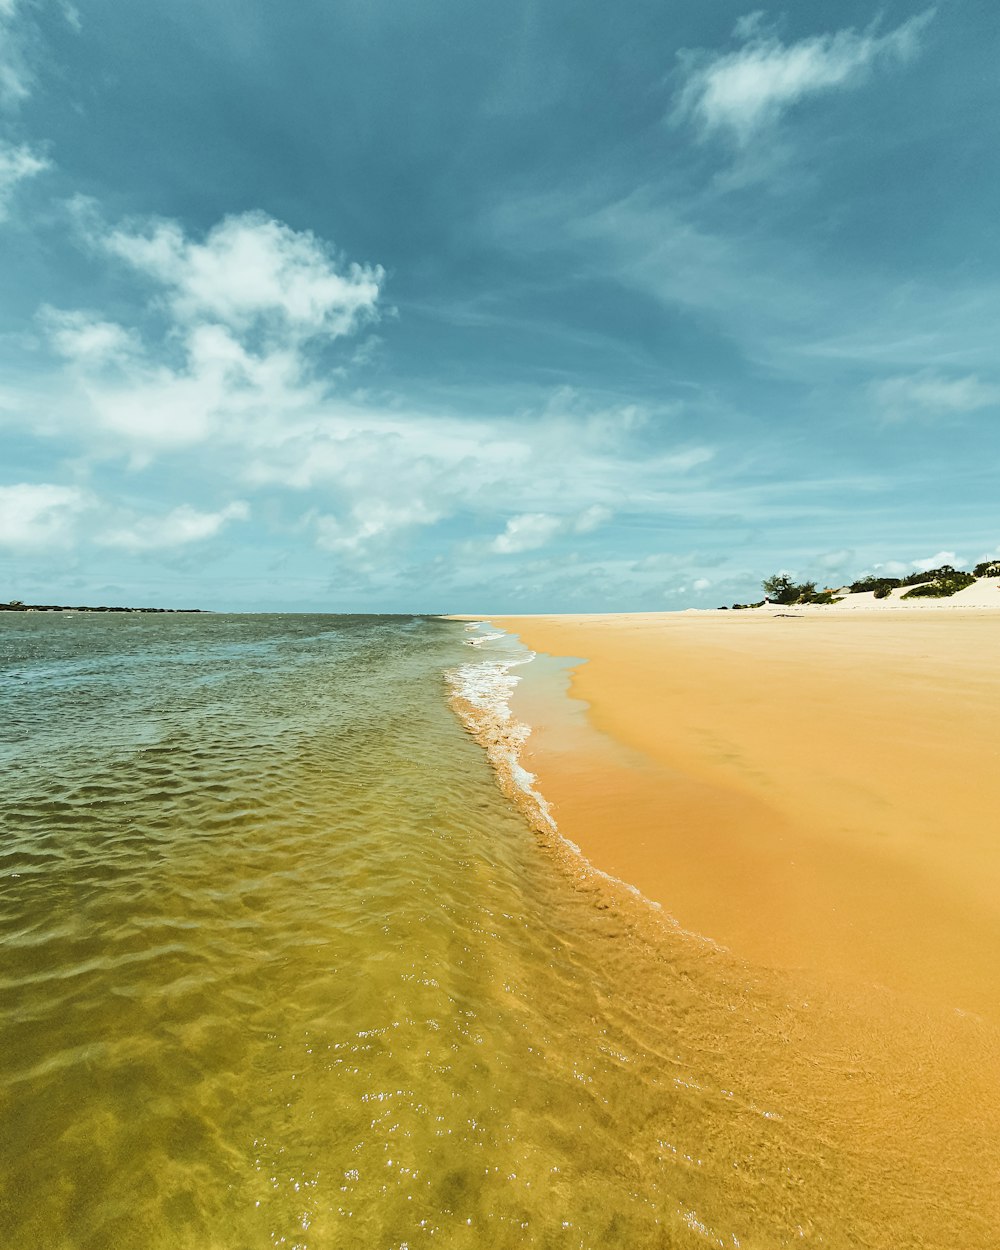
(350, 306)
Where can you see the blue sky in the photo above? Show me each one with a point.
(354, 306)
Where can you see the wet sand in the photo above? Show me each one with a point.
(817, 794)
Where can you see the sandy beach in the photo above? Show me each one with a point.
(814, 790)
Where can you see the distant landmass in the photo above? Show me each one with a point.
(16, 605)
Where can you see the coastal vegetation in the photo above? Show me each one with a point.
(942, 586)
(779, 588)
(16, 605)
(938, 583)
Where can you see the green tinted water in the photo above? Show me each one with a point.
(282, 967)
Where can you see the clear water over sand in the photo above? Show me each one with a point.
(282, 966)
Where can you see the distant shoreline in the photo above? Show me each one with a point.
(52, 607)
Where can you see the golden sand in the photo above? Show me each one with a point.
(817, 793)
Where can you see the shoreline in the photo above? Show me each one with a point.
(811, 796)
(853, 961)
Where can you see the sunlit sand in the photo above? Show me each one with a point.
(813, 793)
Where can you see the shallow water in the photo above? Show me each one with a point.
(281, 966)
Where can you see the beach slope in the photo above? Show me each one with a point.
(812, 791)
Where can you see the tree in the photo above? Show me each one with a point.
(780, 588)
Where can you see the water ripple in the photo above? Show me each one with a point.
(283, 967)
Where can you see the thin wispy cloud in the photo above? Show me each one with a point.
(180, 527)
(370, 523)
(18, 162)
(608, 363)
(927, 393)
(741, 93)
(15, 75)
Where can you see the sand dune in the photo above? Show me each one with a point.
(984, 593)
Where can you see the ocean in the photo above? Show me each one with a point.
(283, 965)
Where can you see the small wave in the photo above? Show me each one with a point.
(481, 694)
(478, 642)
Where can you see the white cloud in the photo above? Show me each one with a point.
(243, 310)
(928, 392)
(17, 40)
(591, 518)
(532, 530)
(178, 528)
(17, 163)
(225, 363)
(527, 532)
(85, 338)
(935, 561)
(15, 76)
(252, 270)
(370, 522)
(834, 561)
(894, 568)
(742, 93)
(38, 516)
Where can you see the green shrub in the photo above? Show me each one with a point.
(929, 575)
(988, 568)
(880, 585)
(943, 586)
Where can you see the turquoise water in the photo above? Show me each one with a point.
(281, 966)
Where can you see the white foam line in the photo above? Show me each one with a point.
(481, 694)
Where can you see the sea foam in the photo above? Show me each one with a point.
(480, 694)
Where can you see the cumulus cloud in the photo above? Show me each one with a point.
(84, 337)
(893, 568)
(244, 307)
(935, 561)
(370, 522)
(18, 162)
(178, 528)
(34, 517)
(251, 270)
(532, 530)
(527, 532)
(741, 93)
(929, 393)
(220, 359)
